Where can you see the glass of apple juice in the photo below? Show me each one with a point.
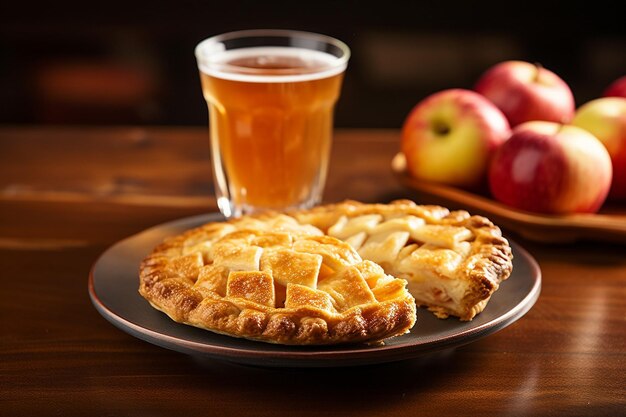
(271, 96)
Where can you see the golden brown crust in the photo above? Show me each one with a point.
(172, 279)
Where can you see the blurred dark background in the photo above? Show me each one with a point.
(132, 62)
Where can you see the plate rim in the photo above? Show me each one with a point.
(307, 358)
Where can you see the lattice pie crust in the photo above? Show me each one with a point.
(333, 274)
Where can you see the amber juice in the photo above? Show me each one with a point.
(271, 119)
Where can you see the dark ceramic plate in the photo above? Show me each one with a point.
(114, 281)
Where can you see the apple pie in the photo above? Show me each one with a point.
(333, 274)
(453, 262)
(272, 279)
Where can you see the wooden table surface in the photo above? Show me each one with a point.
(66, 194)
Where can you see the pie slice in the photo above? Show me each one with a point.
(453, 262)
(273, 279)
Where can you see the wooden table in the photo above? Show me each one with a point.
(68, 193)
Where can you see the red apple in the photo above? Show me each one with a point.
(617, 88)
(547, 167)
(450, 136)
(605, 118)
(526, 92)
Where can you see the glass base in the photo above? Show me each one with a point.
(230, 210)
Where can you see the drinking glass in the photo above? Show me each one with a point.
(271, 96)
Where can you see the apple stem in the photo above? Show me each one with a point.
(440, 128)
(538, 68)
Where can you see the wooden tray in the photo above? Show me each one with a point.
(607, 226)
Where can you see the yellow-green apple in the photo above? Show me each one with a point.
(617, 88)
(551, 168)
(605, 118)
(450, 136)
(525, 92)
